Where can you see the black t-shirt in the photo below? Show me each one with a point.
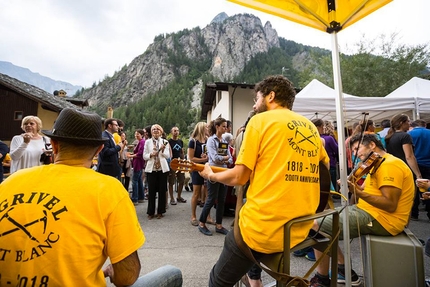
(396, 142)
(197, 146)
(176, 146)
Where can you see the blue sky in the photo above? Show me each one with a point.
(81, 41)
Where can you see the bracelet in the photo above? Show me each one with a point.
(210, 181)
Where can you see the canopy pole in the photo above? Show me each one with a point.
(342, 155)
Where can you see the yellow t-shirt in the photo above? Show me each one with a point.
(60, 223)
(116, 138)
(392, 172)
(283, 149)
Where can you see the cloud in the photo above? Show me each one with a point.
(81, 41)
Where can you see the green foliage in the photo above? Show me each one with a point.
(277, 61)
(169, 107)
(375, 69)
(378, 67)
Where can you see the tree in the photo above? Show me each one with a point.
(378, 67)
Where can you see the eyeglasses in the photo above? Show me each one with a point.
(256, 99)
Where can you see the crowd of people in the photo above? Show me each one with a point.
(98, 223)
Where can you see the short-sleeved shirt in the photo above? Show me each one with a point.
(176, 146)
(392, 172)
(421, 139)
(60, 223)
(283, 150)
(396, 142)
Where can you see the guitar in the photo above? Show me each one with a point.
(182, 165)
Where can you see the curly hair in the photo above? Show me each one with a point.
(281, 86)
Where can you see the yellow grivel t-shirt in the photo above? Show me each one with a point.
(283, 149)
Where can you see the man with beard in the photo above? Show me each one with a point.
(279, 149)
(384, 203)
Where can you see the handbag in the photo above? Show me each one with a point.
(46, 158)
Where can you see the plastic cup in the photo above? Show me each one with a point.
(422, 180)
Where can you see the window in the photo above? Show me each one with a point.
(17, 116)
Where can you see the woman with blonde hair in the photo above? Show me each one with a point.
(156, 153)
(26, 149)
(197, 154)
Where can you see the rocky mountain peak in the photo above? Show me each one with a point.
(223, 47)
(220, 18)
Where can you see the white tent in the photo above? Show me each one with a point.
(417, 89)
(414, 88)
(316, 89)
(317, 100)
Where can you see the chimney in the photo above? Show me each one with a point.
(109, 113)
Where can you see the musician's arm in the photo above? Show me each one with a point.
(387, 201)
(238, 175)
(411, 160)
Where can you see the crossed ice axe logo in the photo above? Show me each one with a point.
(304, 138)
(23, 228)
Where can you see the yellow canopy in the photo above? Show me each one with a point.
(326, 15)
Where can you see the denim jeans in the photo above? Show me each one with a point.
(231, 265)
(137, 186)
(216, 191)
(165, 276)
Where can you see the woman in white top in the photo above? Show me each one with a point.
(156, 153)
(26, 148)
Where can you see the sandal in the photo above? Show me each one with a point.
(194, 222)
(180, 199)
(210, 222)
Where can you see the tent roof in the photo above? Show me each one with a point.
(415, 87)
(316, 89)
(317, 100)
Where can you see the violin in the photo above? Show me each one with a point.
(374, 160)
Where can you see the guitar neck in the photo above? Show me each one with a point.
(200, 167)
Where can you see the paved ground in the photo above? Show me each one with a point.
(173, 240)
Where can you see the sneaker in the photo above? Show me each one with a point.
(318, 281)
(205, 230)
(187, 188)
(355, 280)
(310, 255)
(302, 252)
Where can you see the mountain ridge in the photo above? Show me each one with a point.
(36, 79)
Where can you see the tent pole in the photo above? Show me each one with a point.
(342, 155)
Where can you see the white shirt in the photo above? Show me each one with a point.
(26, 155)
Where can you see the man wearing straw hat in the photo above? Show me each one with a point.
(60, 222)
